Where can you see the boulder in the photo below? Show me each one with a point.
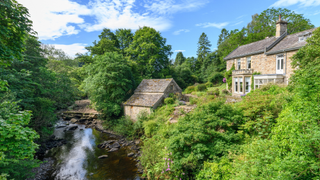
(74, 120)
(130, 154)
(72, 128)
(115, 145)
(103, 156)
(113, 149)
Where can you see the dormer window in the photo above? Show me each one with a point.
(305, 36)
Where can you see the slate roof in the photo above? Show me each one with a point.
(153, 85)
(252, 48)
(146, 100)
(288, 42)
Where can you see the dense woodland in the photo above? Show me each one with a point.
(272, 134)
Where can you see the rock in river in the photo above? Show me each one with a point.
(103, 156)
(72, 128)
(130, 154)
(115, 145)
(74, 120)
(113, 149)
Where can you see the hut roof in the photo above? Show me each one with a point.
(153, 85)
(146, 100)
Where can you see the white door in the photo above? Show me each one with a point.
(280, 64)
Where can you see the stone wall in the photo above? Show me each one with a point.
(133, 111)
(289, 70)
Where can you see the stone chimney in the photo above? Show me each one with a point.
(281, 27)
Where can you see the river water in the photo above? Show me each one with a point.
(78, 159)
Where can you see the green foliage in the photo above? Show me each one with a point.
(168, 100)
(224, 91)
(149, 53)
(193, 100)
(216, 78)
(209, 84)
(14, 27)
(125, 38)
(109, 83)
(216, 170)
(189, 89)
(252, 79)
(206, 134)
(228, 76)
(200, 87)
(203, 51)
(16, 143)
(179, 59)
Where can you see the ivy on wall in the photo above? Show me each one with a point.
(228, 76)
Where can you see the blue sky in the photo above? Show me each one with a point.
(71, 25)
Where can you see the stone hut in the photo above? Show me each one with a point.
(149, 95)
(266, 61)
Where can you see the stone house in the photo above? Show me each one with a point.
(271, 57)
(149, 95)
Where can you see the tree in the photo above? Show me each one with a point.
(17, 145)
(179, 59)
(109, 83)
(150, 53)
(264, 24)
(124, 37)
(14, 26)
(203, 50)
(108, 43)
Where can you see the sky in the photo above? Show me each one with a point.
(71, 25)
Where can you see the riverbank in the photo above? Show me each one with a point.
(116, 149)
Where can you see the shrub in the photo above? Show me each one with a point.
(169, 100)
(209, 84)
(189, 89)
(210, 93)
(216, 78)
(201, 87)
(228, 76)
(224, 91)
(193, 100)
(216, 92)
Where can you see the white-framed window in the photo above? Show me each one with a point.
(239, 64)
(235, 84)
(241, 85)
(248, 84)
(248, 62)
(279, 64)
(304, 37)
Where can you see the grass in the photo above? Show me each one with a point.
(223, 86)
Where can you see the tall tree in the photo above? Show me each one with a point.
(203, 50)
(179, 59)
(109, 82)
(150, 54)
(14, 26)
(125, 38)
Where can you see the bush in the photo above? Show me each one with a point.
(216, 92)
(189, 89)
(216, 78)
(193, 100)
(209, 84)
(169, 100)
(201, 87)
(224, 91)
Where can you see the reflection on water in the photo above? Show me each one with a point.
(78, 159)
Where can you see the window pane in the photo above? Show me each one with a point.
(278, 64)
(248, 62)
(240, 83)
(281, 63)
(247, 79)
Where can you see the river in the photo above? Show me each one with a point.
(78, 159)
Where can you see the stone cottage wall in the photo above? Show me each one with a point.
(133, 111)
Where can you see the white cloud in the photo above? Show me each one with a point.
(172, 6)
(216, 25)
(72, 49)
(237, 23)
(181, 30)
(51, 18)
(179, 50)
(240, 16)
(304, 3)
(119, 14)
